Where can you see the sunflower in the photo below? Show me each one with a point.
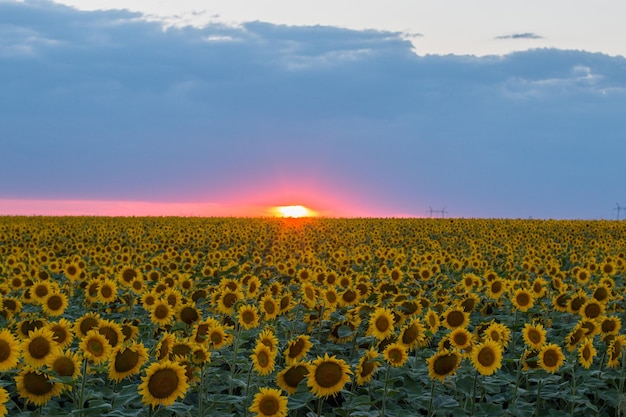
(55, 304)
(522, 299)
(65, 364)
(40, 290)
(455, 317)
(534, 335)
(269, 339)
(396, 354)
(112, 331)
(269, 402)
(269, 307)
(73, 271)
(616, 346)
(62, 331)
(586, 353)
(4, 398)
(200, 355)
(164, 347)
(297, 349)
(248, 316)
(487, 357)
(161, 313)
(86, 323)
(592, 309)
(289, 378)
(499, 333)
(550, 357)
(38, 346)
(443, 364)
(107, 291)
(328, 375)
(309, 294)
(127, 274)
(381, 323)
(263, 359)
(129, 329)
(368, 364)
(226, 300)
(495, 288)
(35, 386)
(188, 314)
(218, 338)
(460, 338)
(164, 382)
(9, 350)
(95, 347)
(602, 293)
(413, 334)
(26, 326)
(576, 302)
(127, 360)
(610, 325)
(432, 320)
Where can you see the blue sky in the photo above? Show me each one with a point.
(109, 105)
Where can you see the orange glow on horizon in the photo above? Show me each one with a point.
(293, 211)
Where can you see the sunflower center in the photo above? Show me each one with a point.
(106, 291)
(189, 315)
(455, 318)
(64, 366)
(534, 336)
(268, 405)
(486, 357)
(5, 350)
(163, 383)
(328, 374)
(445, 364)
(410, 335)
(395, 355)
(39, 347)
(129, 274)
(126, 360)
(586, 353)
(296, 349)
(161, 311)
(229, 300)
(550, 358)
(349, 296)
(41, 291)
(248, 317)
(269, 307)
(382, 324)
(608, 326)
(216, 338)
(593, 310)
(577, 303)
(54, 302)
(496, 286)
(367, 368)
(110, 334)
(522, 299)
(37, 384)
(263, 359)
(95, 347)
(294, 375)
(88, 324)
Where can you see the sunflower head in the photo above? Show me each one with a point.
(269, 402)
(164, 382)
(328, 375)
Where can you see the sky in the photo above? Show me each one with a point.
(394, 109)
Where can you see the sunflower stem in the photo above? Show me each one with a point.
(514, 330)
(432, 395)
(517, 375)
(245, 398)
(234, 362)
(538, 398)
(83, 383)
(573, 404)
(201, 393)
(474, 392)
(600, 379)
(382, 409)
(319, 407)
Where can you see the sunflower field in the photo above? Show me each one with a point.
(311, 317)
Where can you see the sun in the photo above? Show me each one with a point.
(293, 211)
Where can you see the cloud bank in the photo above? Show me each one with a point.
(108, 106)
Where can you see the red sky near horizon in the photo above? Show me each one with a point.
(321, 205)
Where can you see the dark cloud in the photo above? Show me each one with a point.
(525, 35)
(107, 105)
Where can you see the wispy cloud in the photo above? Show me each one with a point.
(525, 35)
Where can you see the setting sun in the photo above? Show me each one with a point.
(293, 211)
